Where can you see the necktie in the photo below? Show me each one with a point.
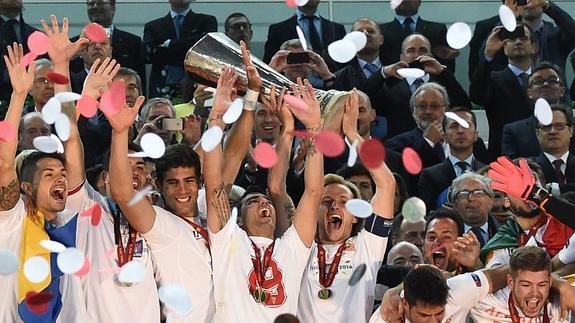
(11, 32)
(523, 80)
(479, 234)
(407, 25)
(370, 68)
(314, 38)
(178, 22)
(557, 163)
(416, 84)
(463, 166)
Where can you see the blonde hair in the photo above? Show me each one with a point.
(329, 179)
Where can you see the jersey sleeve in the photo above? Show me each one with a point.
(374, 237)
(221, 240)
(297, 249)
(467, 290)
(12, 219)
(83, 198)
(567, 254)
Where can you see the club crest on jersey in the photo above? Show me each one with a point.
(273, 286)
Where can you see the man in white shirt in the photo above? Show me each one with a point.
(248, 288)
(342, 246)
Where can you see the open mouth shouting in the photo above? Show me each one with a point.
(439, 257)
(58, 193)
(334, 222)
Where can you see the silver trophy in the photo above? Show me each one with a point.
(205, 60)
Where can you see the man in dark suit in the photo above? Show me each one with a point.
(390, 93)
(12, 29)
(127, 48)
(557, 161)
(436, 179)
(503, 93)
(239, 28)
(166, 42)
(319, 32)
(472, 196)
(519, 138)
(408, 21)
(572, 90)
(366, 63)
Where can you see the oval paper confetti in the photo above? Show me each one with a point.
(70, 261)
(38, 43)
(36, 269)
(57, 78)
(87, 106)
(372, 153)
(357, 274)
(153, 145)
(413, 210)
(113, 100)
(301, 37)
(27, 59)
(358, 38)
(211, 138)
(51, 110)
(458, 35)
(330, 143)
(95, 33)
(412, 73)
(9, 262)
(462, 122)
(359, 208)
(45, 144)
(52, 246)
(411, 161)
(295, 102)
(342, 51)
(507, 18)
(176, 298)
(265, 155)
(132, 272)
(395, 3)
(84, 270)
(62, 126)
(352, 157)
(138, 196)
(543, 112)
(234, 111)
(64, 97)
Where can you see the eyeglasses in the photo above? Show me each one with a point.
(43, 81)
(548, 82)
(476, 194)
(432, 106)
(560, 126)
(239, 26)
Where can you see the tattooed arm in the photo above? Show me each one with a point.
(305, 219)
(216, 194)
(21, 80)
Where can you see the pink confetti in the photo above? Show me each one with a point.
(411, 161)
(95, 33)
(27, 59)
(84, 270)
(291, 3)
(372, 153)
(87, 106)
(295, 103)
(95, 212)
(265, 155)
(330, 143)
(7, 131)
(57, 78)
(114, 99)
(38, 43)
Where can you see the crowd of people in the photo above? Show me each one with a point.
(128, 196)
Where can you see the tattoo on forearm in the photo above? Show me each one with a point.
(221, 204)
(9, 195)
(290, 209)
(309, 144)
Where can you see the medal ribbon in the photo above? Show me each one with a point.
(515, 315)
(258, 264)
(327, 280)
(125, 254)
(203, 232)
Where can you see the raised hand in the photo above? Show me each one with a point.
(224, 92)
(310, 116)
(391, 70)
(513, 180)
(350, 116)
(21, 78)
(318, 65)
(432, 66)
(279, 61)
(254, 79)
(493, 44)
(466, 250)
(99, 77)
(123, 120)
(61, 49)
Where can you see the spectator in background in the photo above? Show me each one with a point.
(367, 60)
(239, 28)
(166, 42)
(42, 89)
(32, 125)
(408, 21)
(404, 254)
(319, 32)
(152, 114)
(92, 51)
(412, 232)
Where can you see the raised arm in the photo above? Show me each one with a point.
(141, 215)
(216, 196)
(305, 219)
(285, 209)
(21, 80)
(382, 201)
(60, 52)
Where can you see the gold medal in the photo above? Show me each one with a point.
(324, 293)
(259, 295)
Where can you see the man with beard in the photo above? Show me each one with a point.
(344, 244)
(12, 29)
(39, 213)
(239, 28)
(533, 222)
(257, 275)
(367, 60)
(444, 225)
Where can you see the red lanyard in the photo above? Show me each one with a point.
(260, 274)
(515, 315)
(203, 232)
(126, 254)
(524, 238)
(327, 280)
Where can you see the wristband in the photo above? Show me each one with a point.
(539, 195)
(250, 100)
